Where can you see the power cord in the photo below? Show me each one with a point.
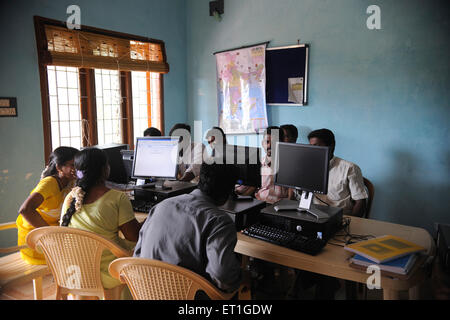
(348, 238)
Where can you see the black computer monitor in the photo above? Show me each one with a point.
(302, 167)
(117, 172)
(156, 158)
(127, 159)
(247, 161)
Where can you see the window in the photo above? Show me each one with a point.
(108, 100)
(146, 99)
(64, 106)
(98, 86)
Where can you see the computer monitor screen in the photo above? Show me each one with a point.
(117, 171)
(302, 166)
(247, 161)
(155, 157)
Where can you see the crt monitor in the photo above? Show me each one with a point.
(247, 161)
(117, 172)
(303, 167)
(156, 157)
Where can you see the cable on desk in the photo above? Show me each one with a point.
(348, 237)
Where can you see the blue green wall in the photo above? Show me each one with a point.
(384, 93)
(21, 138)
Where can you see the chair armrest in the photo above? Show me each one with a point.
(6, 226)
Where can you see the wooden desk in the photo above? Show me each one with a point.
(334, 260)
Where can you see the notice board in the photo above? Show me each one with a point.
(287, 75)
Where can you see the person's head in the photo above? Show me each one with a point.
(267, 142)
(214, 135)
(290, 133)
(324, 138)
(180, 126)
(181, 130)
(61, 163)
(217, 181)
(152, 132)
(92, 168)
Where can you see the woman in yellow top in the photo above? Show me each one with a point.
(93, 207)
(43, 205)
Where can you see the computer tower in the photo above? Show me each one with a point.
(303, 222)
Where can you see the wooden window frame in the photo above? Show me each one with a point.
(87, 90)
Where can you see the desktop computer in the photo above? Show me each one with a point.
(155, 162)
(118, 173)
(300, 225)
(305, 168)
(247, 162)
(302, 222)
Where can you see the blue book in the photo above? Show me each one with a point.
(400, 265)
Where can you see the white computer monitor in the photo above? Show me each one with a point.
(156, 157)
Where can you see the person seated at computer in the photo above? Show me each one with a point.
(190, 231)
(290, 133)
(93, 207)
(189, 168)
(217, 141)
(268, 192)
(43, 206)
(152, 132)
(345, 181)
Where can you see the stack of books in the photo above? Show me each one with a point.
(393, 255)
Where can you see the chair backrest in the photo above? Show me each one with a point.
(73, 256)
(156, 280)
(371, 191)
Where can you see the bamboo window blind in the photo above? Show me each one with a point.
(91, 49)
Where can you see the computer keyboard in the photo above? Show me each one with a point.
(286, 239)
(142, 205)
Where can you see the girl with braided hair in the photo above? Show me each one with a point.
(43, 205)
(93, 207)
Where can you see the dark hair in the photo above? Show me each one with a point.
(268, 131)
(180, 126)
(211, 133)
(325, 135)
(90, 164)
(291, 131)
(152, 132)
(217, 180)
(59, 157)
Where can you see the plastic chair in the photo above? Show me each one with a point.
(15, 271)
(73, 256)
(157, 280)
(371, 191)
